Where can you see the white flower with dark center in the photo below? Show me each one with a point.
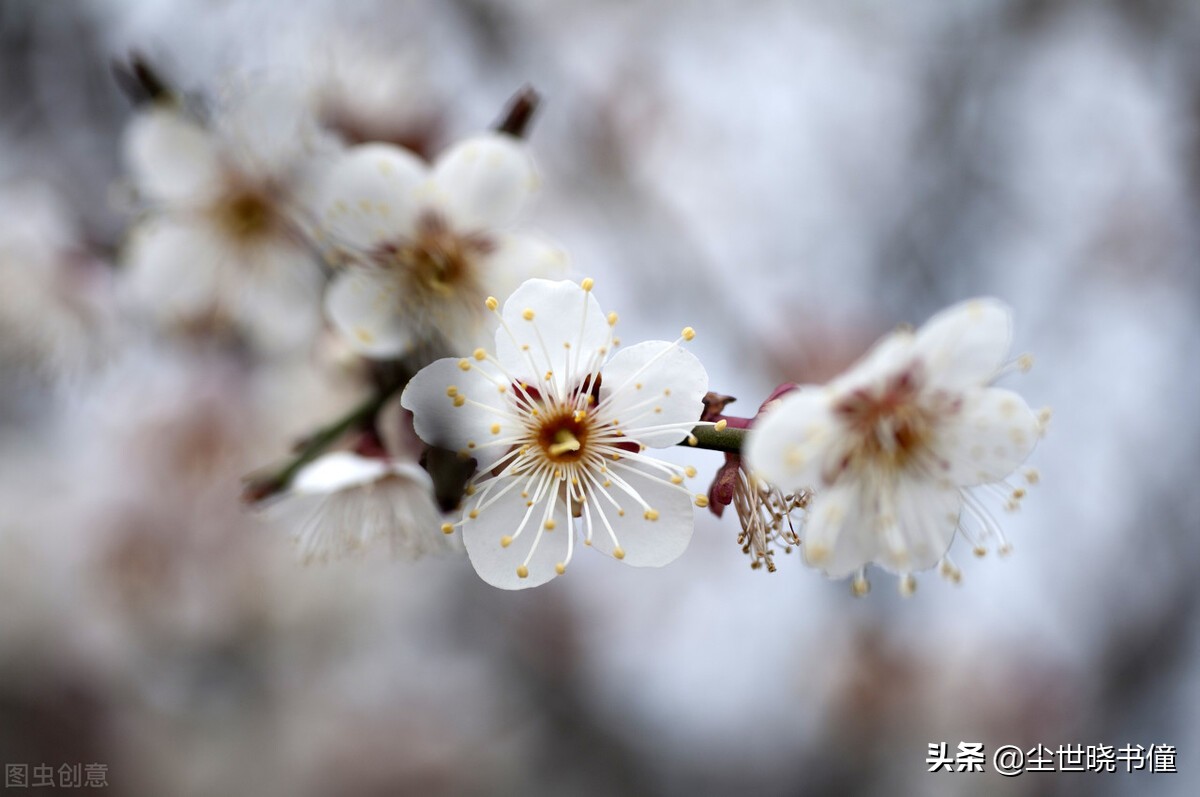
(351, 501)
(891, 446)
(559, 425)
(222, 246)
(424, 247)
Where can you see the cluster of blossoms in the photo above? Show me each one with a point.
(525, 428)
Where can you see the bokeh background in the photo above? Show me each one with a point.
(791, 178)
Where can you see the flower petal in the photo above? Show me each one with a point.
(918, 531)
(555, 327)
(369, 195)
(338, 471)
(173, 266)
(458, 409)
(497, 564)
(791, 443)
(838, 535)
(890, 354)
(278, 304)
(482, 182)
(171, 158)
(966, 344)
(363, 305)
(646, 543)
(993, 433)
(267, 127)
(650, 384)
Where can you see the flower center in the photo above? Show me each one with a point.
(563, 436)
(890, 424)
(246, 214)
(438, 260)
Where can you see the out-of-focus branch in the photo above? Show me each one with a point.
(259, 488)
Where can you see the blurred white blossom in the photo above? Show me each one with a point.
(224, 243)
(351, 501)
(889, 446)
(425, 246)
(56, 310)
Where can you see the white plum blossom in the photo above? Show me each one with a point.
(425, 246)
(891, 446)
(56, 312)
(559, 425)
(223, 244)
(351, 501)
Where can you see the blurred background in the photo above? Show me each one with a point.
(791, 178)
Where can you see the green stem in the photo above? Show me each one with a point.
(728, 439)
(260, 487)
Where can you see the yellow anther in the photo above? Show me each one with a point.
(550, 524)
(464, 364)
(564, 441)
(495, 428)
(690, 471)
(688, 333)
(474, 513)
(587, 284)
(612, 319)
(701, 501)
(522, 571)
(447, 528)
(580, 415)
(618, 552)
(720, 425)
(505, 541)
(460, 400)
(676, 479)
(560, 568)
(950, 572)
(860, 585)
(692, 441)
(479, 354)
(491, 303)
(452, 391)
(650, 514)
(908, 585)
(527, 314)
